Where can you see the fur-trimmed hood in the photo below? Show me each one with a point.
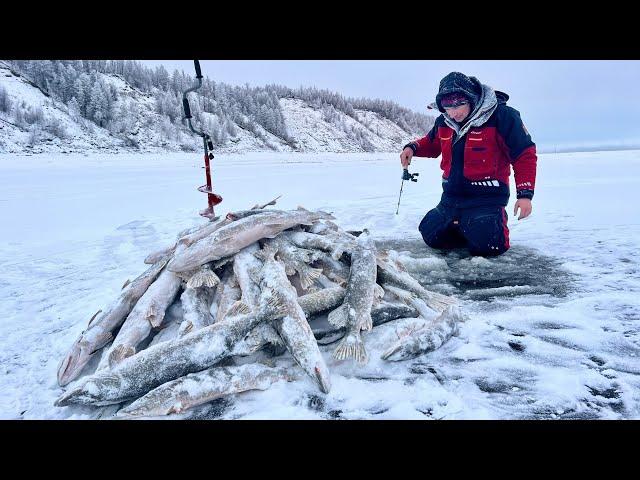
(487, 103)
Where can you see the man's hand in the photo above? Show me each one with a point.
(405, 157)
(524, 204)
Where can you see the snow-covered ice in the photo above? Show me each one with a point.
(554, 323)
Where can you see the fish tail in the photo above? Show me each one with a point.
(351, 346)
(308, 275)
(204, 277)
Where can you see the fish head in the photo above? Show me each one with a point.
(78, 395)
(74, 361)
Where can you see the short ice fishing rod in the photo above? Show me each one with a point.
(406, 176)
(213, 199)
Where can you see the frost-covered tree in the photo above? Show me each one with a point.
(5, 100)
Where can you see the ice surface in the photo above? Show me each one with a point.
(554, 323)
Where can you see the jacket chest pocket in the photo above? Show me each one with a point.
(445, 147)
(479, 155)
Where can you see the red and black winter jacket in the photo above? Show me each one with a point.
(476, 167)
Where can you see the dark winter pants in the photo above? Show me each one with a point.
(483, 230)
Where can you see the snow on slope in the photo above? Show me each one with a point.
(142, 132)
(81, 136)
(313, 134)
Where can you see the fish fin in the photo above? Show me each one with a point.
(204, 276)
(308, 276)
(238, 308)
(267, 252)
(154, 316)
(273, 305)
(93, 318)
(351, 346)
(119, 353)
(338, 317)
(125, 284)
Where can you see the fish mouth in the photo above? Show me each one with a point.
(323, 380)
(67, 398)
(72, 364)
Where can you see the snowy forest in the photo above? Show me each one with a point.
(91, 100)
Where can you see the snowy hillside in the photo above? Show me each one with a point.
(114, 116)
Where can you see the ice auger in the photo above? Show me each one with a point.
(212, 198)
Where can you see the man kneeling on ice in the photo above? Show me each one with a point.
(479, 137)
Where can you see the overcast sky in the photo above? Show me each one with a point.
(563, 102)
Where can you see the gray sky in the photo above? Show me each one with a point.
(563, 102)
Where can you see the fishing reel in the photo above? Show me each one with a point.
(409, 176)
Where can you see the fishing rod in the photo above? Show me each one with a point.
(213, 199)
(406, 176)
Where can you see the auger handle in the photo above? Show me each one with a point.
(187, 110)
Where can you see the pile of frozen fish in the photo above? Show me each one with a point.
(251, 281)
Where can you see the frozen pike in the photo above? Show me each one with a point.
(167, 361)
(333, 269)
(410, 298)
(147, 314)
(322, 300)
(355, 313)
(193, 234)
(293, 327)
(196, 305)
(391, 274)
(249, 213)
(100, 329)
(233, 237)
(204, 231)
(317, 242)
(230, 293)
(246, 267)
(198, 388)
(160, 254)
(154, 257)
(296, 260)
(311, 304)
(380, 314)
(427, 339)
